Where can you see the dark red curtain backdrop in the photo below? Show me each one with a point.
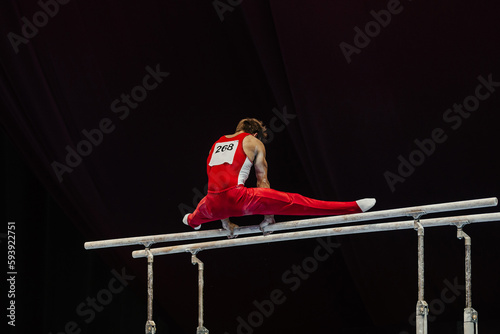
(108, 109)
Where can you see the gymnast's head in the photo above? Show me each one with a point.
(254, 127)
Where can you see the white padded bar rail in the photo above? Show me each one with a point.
(298, 224)
(368, 228)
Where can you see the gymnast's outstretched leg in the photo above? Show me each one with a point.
(267, 201)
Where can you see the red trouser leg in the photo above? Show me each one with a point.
(202, 214)
(242, 201)
(217, 206)
(273, 202)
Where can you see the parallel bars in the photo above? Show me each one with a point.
(470, 315)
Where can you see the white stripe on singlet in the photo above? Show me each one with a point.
(244, 171)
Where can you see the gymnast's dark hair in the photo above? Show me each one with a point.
(253, 126)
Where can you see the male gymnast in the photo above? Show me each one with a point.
(228, 166)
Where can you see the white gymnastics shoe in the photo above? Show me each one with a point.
(366, 204)
(185, 221)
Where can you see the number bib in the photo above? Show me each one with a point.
(223, 153)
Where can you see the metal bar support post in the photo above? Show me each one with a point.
(471, 320)
(150, 324)
(422, 310)
(194, 260)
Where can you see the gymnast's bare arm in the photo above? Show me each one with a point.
(256, 152)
